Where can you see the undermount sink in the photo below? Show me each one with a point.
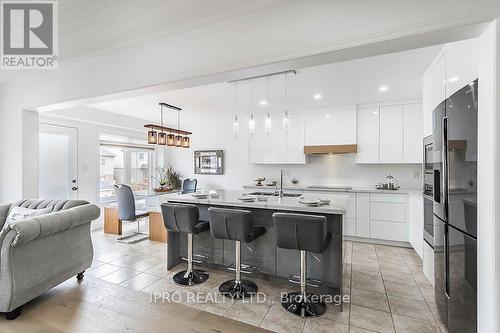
(275, 194)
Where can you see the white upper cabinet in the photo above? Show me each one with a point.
(331, 126)
(368, 135)
(277, 146)
(295, 139)
(412, 133)
(461, 64)
(391, 134)
(439, 81)
(427, 103)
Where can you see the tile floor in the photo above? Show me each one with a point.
(388, 290)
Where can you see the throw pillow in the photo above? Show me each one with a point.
(21, 213)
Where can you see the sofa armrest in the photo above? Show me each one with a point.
(45, 225)
(4, 211)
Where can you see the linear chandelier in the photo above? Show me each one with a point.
(157, 134)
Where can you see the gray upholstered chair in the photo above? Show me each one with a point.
(185, 218)
(306, 233)
(236, 225)
(39, 253)
(127, 212)
(189, 186)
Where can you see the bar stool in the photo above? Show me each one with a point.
(307, 233)
(185, 218)
(237, 225)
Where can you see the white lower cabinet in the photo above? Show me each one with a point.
(428, 262)
(389, 230)
(379, 216)
(363, 215)
(376, 216)
(389, 217)
(349, 222)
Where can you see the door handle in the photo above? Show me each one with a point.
(74, 188)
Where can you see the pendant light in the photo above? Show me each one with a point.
(267, 126)
(286, 120)
(162, 136)
(251, 121)
(236, 124)
(170, 140)
(178, 137)
(152, 136)
(185, 142)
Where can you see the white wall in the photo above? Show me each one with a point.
(488, 254)
(214, 130)
(91, 124)
(304, 28)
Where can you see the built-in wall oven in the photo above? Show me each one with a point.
(428, 190)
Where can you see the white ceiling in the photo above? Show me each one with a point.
(351, 82)
(90, 26)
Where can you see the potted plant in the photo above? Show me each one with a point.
(173, 178)
(168, 179)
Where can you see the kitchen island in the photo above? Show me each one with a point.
(262, 253)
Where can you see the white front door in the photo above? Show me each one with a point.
(58, 162)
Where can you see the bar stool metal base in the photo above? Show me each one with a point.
(296, 304)
(193, 278)
(238, 290)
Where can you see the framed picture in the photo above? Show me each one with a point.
(208, 162)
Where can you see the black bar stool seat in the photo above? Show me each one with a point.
(237, 225)
(185, 218)
(307, 233)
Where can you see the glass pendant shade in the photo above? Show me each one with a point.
(178, 141)
(268, 124)
(162, 138)
(185, 142)
(170, 140)
(152, 137)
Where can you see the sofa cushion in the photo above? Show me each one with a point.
(21, 213)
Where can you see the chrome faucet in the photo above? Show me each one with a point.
(280, 191)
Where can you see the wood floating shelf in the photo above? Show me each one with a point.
(167, 129)
(331, 149)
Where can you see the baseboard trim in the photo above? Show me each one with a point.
(378, 241)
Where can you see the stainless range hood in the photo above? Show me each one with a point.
(331, 149)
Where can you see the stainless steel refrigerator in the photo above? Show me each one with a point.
(454, 209)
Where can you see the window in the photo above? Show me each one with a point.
(125, 165)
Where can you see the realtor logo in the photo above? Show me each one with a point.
(29, 34)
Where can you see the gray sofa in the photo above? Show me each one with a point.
(39, 253)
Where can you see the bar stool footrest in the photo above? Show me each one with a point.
(197, 259)
(310, 282)
(244, 268)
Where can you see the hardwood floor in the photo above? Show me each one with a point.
(99, 306)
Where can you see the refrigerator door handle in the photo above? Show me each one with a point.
(446, 263)
(444, 156)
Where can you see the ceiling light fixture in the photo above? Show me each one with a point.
(383, 88)
(236, 124)
(453, 79)
(286, 121)
(263, 103)
(317, 96)
(181, 139)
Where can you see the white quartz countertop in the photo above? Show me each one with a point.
(329, 188)
(338, 202)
